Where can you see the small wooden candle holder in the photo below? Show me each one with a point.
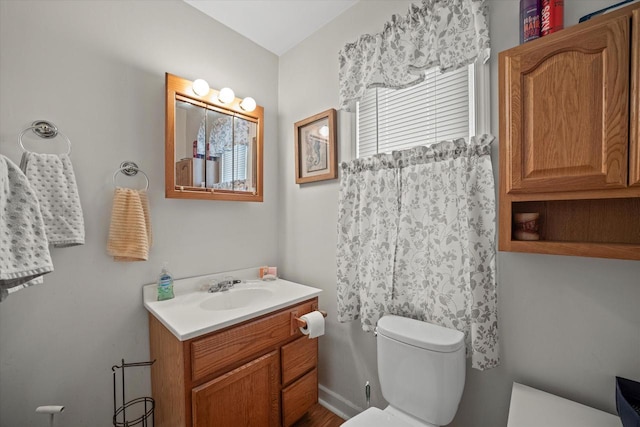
(526, 225)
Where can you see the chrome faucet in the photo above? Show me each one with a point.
(223, 285)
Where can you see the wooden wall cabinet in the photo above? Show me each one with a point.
(569, 138)
(260, 373)
(184, 172)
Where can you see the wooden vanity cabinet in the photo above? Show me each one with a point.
(569, 138)
(262, 372)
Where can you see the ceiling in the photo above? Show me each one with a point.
(276, 25)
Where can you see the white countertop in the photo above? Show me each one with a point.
(184, 317)
(534, 408)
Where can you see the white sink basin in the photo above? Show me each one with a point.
(194, 312)
(234, 299)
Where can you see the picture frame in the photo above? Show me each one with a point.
(316, 147)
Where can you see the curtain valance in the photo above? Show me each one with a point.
(447, 34)
(421, 154)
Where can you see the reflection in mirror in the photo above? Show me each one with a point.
(190, 144)
(214, 150)
(230, 152)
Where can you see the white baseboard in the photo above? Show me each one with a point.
(336, 403)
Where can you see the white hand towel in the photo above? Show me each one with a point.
(51, 177)
(24, 252)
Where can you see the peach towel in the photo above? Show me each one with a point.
(130, 231)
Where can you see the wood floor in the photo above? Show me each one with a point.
(319, 416)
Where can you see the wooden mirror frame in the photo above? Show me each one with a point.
(177, 86)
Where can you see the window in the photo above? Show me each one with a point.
(444, 106)
(237, 157)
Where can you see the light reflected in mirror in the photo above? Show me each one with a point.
(215, 150)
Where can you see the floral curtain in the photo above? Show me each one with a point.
(447, 34)
(416, 238)
(222, 137)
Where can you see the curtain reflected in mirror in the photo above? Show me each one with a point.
(230, 152)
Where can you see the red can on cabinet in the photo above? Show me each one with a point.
(552, 16)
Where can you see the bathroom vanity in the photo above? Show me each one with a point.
(232, 359)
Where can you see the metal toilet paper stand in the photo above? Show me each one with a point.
(146, 405)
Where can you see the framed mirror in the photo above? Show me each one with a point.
(213, 150)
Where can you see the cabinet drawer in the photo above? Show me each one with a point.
(212, 353)
(299, 397)
(298, 357)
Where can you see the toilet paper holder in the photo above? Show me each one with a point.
(297, 322)
(303, 324)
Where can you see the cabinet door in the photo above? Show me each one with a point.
(634, 138)
(565, 109)
(246, 396)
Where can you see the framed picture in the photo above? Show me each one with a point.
(315, 147)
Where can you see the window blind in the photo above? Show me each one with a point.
(234, 163)
(432, 111)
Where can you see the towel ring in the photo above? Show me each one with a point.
(130, 169)
(44, 129)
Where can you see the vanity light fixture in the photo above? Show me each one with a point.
(248, 104)
(200, 87)
(226, 95)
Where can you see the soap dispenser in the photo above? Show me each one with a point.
(165, 284)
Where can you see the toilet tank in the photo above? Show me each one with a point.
(421, 367)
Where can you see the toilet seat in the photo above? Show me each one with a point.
(375, 417)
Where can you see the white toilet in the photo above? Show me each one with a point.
(421, 367)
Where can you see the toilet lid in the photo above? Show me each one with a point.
(375, 417)
(420, 334)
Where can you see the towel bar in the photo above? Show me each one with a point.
(130, 169)
(44, 129)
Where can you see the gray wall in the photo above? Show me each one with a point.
(568, 324)
(96, 69)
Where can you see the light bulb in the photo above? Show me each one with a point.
(226, 95)
(248, 104)
(324, 131)
(200, 87)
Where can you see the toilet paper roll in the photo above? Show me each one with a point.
(315, 324)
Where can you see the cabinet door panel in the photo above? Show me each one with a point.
(299, 397)
(634, 138)
(567, 111)
(246, 396)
